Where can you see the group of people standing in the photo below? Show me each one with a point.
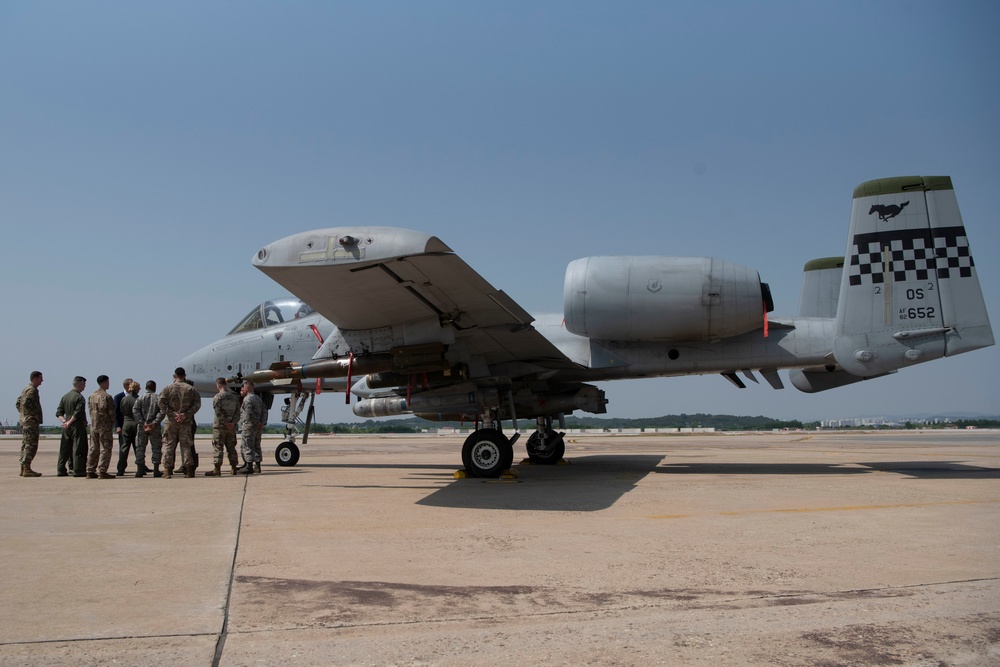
(164, 422)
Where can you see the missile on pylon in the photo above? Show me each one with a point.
(408, 359)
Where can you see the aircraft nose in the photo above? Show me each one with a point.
(186, 363)
(195, 367)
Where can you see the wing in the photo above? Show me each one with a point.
(368, 278)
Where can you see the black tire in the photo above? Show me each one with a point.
(487, 453)
(549, 454)
(286, 454)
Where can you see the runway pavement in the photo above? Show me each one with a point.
(770, 549)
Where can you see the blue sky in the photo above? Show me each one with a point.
(147, 150)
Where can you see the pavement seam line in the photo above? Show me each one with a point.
(220, 643)
(82, 640)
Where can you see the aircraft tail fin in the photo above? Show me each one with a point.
(821, 287)
(909, 291)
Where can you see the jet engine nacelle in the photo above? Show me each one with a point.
(662, 298)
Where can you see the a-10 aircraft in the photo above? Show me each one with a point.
(397, 318)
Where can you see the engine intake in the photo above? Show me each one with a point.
(662, 298)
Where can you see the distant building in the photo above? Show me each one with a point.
(880, 422)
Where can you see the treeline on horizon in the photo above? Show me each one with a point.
(718, 422)
(699, 420)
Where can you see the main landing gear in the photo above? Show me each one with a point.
(545, 446)
(487, 452)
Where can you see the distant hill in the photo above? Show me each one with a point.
(718, 422)
(955, 415)
(699, 420)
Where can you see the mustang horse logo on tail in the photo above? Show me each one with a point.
(886, 212)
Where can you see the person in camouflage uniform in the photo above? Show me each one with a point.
(102, 430)
(257, 455)
(251, 414)
(130, 429)
(72, 416)
(148, 419)
(226, 405)
(194, 424)
(29, 407)
(178, 402)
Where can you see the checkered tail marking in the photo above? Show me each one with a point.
(914, 254)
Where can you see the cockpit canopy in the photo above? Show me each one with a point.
(270, 313)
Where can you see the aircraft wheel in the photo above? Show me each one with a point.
(547, 451)
(286, 454)
(487, 453)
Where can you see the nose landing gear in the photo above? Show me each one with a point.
(287, 454)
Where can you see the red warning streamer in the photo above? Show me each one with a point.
(350, 367)
(316, 333)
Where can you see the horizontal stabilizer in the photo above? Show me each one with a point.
(821, 287)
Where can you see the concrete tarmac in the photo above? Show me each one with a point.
(769, 549)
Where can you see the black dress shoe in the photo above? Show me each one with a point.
(62, 473)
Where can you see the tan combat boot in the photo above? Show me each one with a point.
(168, 473)
(189, 471)
(105, 475)
(26, 471)
(216, 472)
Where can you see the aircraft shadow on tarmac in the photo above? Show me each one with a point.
(919, 469)
(935, 469)
(377, 466)
(588, 484)
(594, 483)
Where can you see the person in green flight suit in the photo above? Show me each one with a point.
(72, 416)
